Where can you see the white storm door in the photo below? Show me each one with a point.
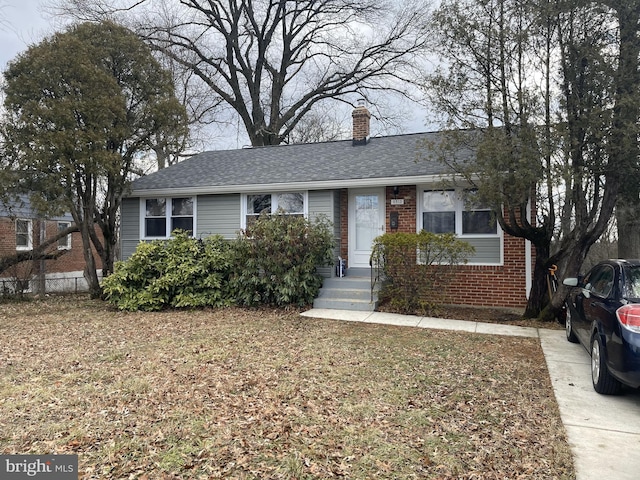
(366, 222)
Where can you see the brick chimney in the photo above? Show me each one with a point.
(361, 120)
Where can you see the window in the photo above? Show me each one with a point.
(155, 218)
(24, 234)
(164, 215)
(632, 282)
(458, 212)
(182, 214)
(439, 212)
(476, 217)
(65, 242)
(600, 281)
(288, 203)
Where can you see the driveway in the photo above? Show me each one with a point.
(603, 431)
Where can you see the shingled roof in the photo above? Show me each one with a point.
(340, 164)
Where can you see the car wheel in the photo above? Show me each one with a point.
(568, 327)
(603, 381)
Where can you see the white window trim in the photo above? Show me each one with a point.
(30, 234)
(68, 237)
(243, 204)
(143, 212)
(459, 208)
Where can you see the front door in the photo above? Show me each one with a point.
(366, 222)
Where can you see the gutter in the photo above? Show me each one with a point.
(289, 186)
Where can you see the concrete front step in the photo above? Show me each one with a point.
(344, 304)
(357, 283)
(352, 292)
(355, 293)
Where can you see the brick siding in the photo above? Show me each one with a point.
(480, 285)
(406, 212)
(493, 286)
(71, 261)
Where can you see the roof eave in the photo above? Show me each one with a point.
(290, 186)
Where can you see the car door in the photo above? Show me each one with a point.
(598, 307)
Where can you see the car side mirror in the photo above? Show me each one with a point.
(570, 282)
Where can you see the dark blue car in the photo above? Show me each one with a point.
(603, 314)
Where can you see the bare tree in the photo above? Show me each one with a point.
(271, 62)
(321, 125)
(549, 138)
(626, 146)
(3, 20)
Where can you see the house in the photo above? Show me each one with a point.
(22, 230)
(365, 186)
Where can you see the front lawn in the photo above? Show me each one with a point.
(249, 394)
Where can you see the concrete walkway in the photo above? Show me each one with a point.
(603, 431)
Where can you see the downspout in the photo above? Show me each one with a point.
(528, 281)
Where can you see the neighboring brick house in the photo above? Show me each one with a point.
(365, 186)
(22, 230)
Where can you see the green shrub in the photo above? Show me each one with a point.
(180, 272)
(274, 263)
(276, 260)
(417, 268)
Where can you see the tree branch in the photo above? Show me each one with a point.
(39, 252)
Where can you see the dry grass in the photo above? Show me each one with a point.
(271, 395)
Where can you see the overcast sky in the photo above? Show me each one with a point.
(22, 23)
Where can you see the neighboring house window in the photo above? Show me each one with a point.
(288, 203)
(24, 234)
(457, 211)
(64, 243)
(164, 215)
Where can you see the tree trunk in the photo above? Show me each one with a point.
(538, 296)
(571, 268)
(628, 221)
(90, 272)
(626, 115)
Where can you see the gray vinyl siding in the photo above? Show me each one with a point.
(129, 226)
(218, 215)
(326, 203)
(321, 204)
(487, 250)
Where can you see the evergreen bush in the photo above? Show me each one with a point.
(181, 272)
(276, 260)
(417, 268)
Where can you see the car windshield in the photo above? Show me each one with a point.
(632, 282)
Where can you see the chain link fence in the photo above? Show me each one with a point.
(13, 286)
